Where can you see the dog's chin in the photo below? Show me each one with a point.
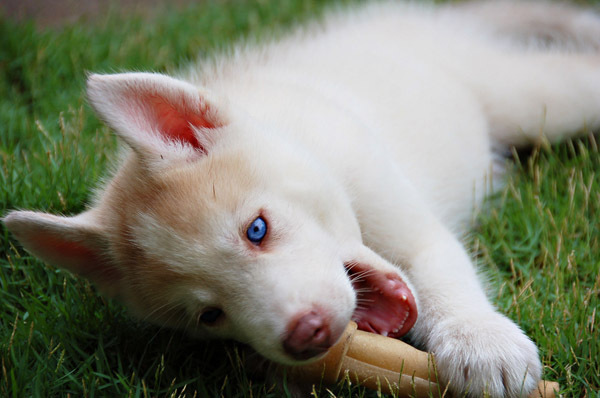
(384, 303)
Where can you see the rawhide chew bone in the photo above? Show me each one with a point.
(384, 363)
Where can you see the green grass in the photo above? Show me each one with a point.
(540, 239)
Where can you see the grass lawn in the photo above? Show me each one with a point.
(539, 241)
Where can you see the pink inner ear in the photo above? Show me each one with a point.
(76, 257)
(176, 124)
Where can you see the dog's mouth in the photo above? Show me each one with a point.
(384, 303)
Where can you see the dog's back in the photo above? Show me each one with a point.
(432, 88)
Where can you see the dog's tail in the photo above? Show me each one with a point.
(542, 80)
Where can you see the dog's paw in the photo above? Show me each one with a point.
(488, 357)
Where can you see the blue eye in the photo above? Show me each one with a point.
(257, 230)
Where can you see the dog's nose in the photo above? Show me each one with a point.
(308, 335)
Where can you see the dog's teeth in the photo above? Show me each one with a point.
(384, 333)
(395, 331)
(404, 298)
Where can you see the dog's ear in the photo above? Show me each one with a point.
(158, 116)
(77, 244)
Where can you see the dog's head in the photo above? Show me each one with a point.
(216, 225)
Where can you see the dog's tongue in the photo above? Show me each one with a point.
(385, 304)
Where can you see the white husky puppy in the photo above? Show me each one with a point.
(275, 194)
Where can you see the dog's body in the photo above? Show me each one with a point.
(275, 194)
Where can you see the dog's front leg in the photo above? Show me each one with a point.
(477, 350)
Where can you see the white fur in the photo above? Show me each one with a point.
(369, 140)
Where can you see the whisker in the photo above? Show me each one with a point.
(364, 300)
(361, 306)
(361, 276)
(168, 306)
(350, 266)
(364, 290)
